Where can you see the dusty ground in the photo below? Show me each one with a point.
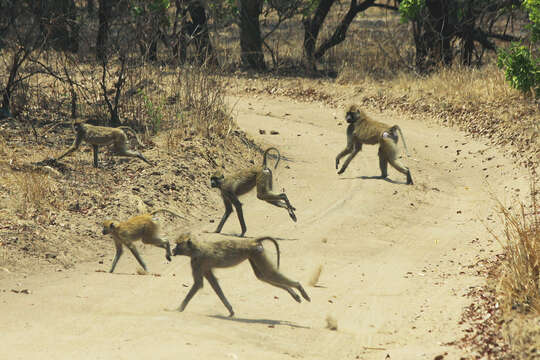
(395, 259)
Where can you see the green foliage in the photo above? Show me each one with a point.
(533, 8)
(155, 114)
(521, 68)
(411, 10)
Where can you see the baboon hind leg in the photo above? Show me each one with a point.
(388, 153)
(135, 253)
(215, 285)
(265, 271)
(121, 149)
(264, 192)
(95, 149)
(156, 241)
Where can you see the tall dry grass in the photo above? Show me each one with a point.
(520, 273)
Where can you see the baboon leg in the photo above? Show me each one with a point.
(238, 206)
(383, 164)
(264, 192)
(76, 143)
(160, 243)
(228, 211)
(95, 148)
(346, 151)
(265, 271)
(198, 284)
(402, 169)
(355, 151)
(215, 285)
(119, 252)
(120, 149)
(389, 151)
(135, 253)
(261, 277)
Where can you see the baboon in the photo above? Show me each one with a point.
(364, 130)
(100, 136)
(138, 227)
(227, 253)
(242, 182)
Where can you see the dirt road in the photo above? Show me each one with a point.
(394, 260)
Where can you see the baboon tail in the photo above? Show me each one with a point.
(403, 138)
(261, 239)
(133, 133)
(265, 157)
(167, 211)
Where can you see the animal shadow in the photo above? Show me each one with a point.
(375, 178)
(259, 321)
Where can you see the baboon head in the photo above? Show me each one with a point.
(354, 114)
(217, 179)
(108, 227)
(184, 246)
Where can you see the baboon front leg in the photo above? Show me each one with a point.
(198, 284)
(135, 253)
(215, 285)
(355, 151)
(76, 143)
(119, 252)
(346, 151)
(228, 211)
(96, 149)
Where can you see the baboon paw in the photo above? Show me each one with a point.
(168, 257)
(292, 215)
(340, 172)
(231, 314)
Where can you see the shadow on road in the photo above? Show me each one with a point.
(259, 321)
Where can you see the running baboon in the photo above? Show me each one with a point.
(245, 180)
(364, 130)
(227, 253)
(138, 227)
(100, 136)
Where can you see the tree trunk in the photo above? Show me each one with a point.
(104, 14)
(58, 22)
(205, 51)
(312, 27)
(250, 34)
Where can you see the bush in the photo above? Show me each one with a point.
(521, 68)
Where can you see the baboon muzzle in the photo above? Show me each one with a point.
(349, 118)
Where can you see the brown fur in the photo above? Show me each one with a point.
(138, 227)
(364, 130)
(100, 136)
(243, 181)
(206, 256)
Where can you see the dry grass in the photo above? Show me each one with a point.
(520, 280)
(33, 193)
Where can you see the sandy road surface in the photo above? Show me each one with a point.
(394, 260)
